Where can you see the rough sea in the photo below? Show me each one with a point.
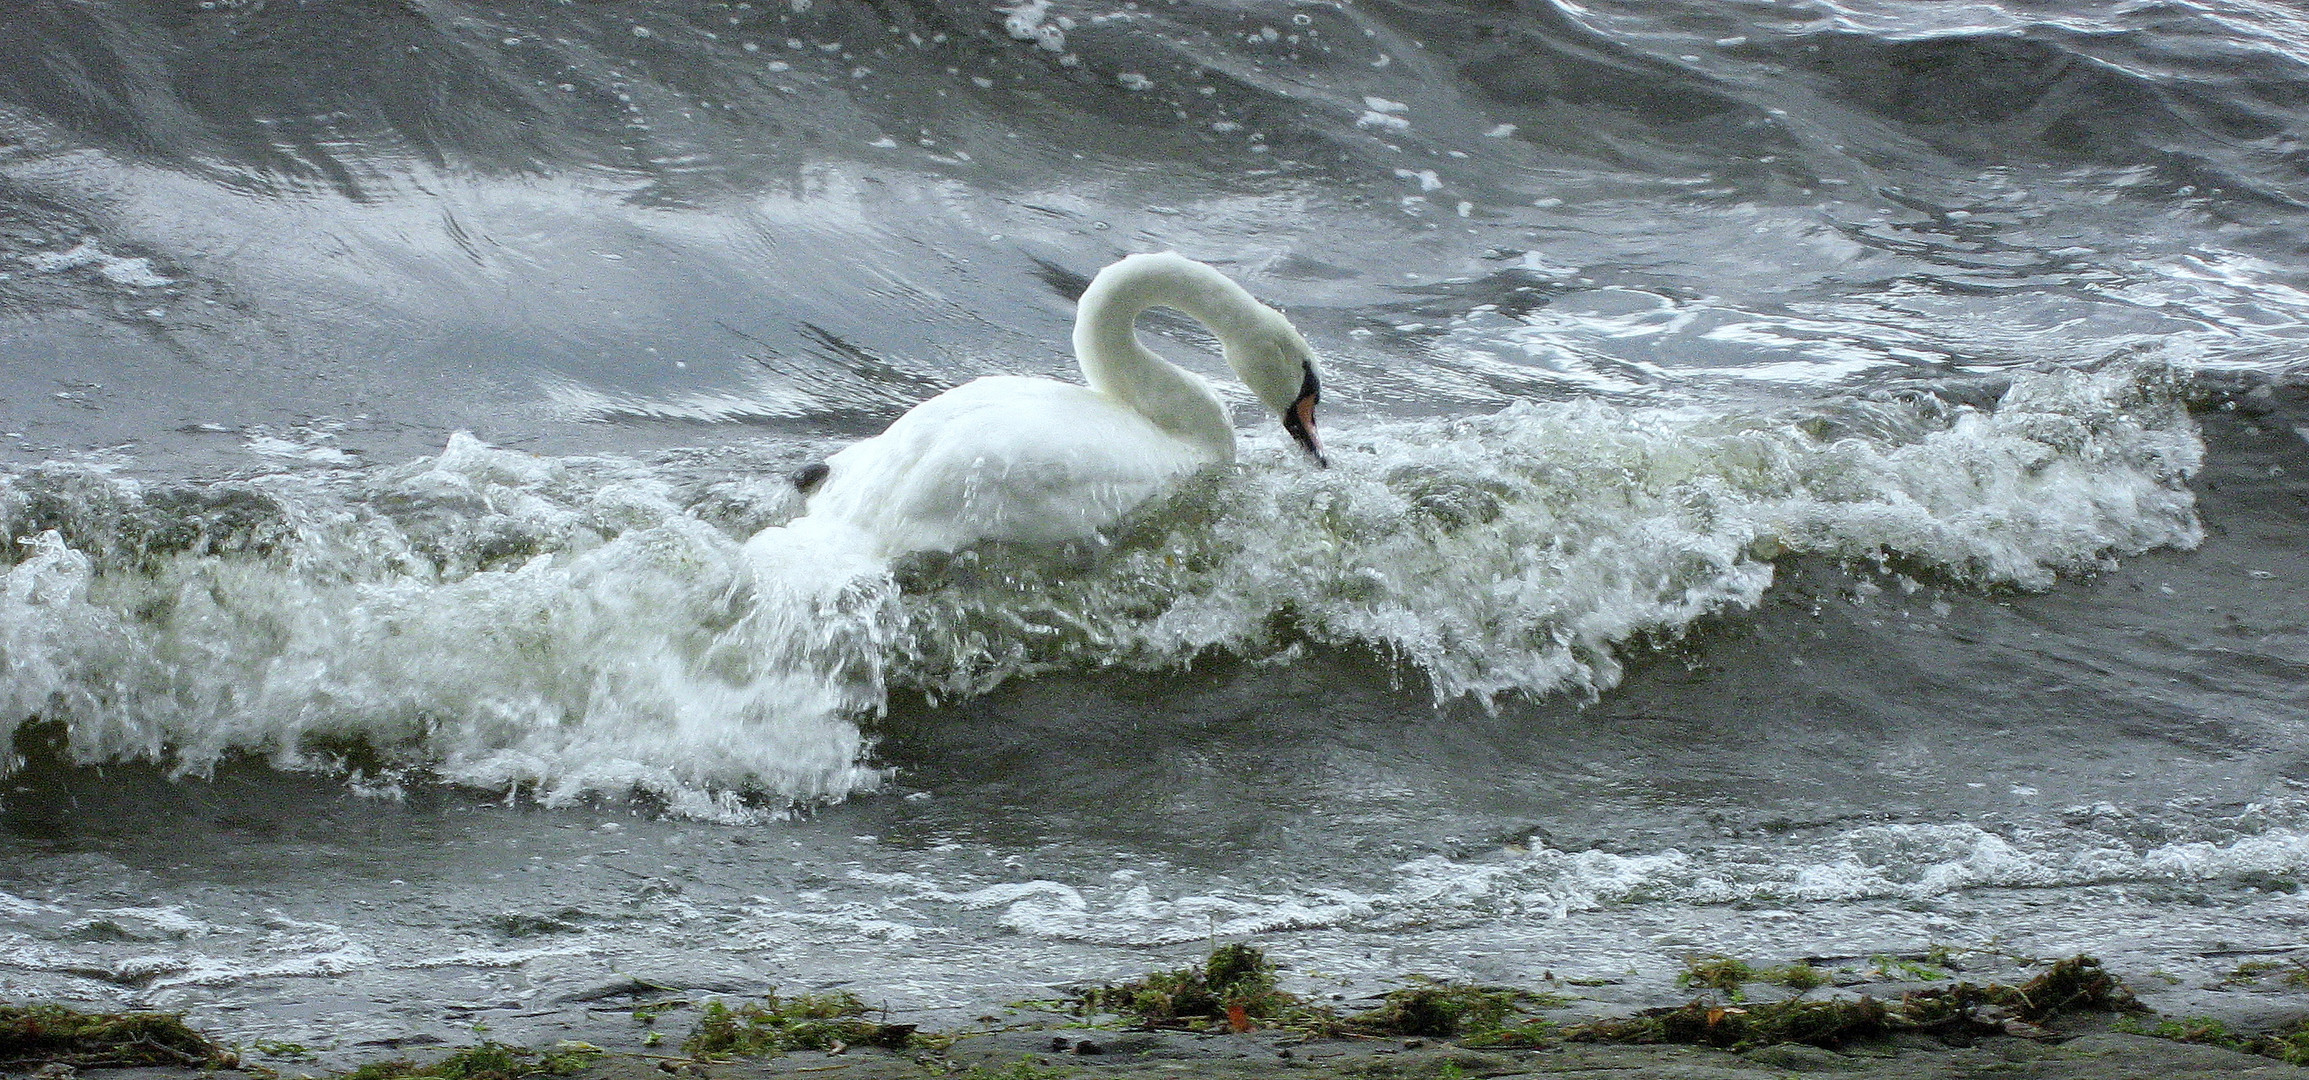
(1809, 479)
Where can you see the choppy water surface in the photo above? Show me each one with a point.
(1809, 479)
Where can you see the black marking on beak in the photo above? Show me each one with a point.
(1299, 419)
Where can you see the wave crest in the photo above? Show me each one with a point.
(1516, 552)
(582, 626)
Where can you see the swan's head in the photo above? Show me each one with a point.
(1279, 367)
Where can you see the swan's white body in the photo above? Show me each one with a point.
(1036, 460)
(1002, 458)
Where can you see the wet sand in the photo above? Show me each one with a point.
(1035, 1055)
(2082, 1047)
(2093, 1033)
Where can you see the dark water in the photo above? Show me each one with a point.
(1809, 479)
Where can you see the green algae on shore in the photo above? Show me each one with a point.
(1470, 1027)
(779, 1025)
(2075, 984)
(1236, 986)
(1825, 1024)
(53, 1034)
(1477, 1015)
(1719, 972)
(487, 1061)
(2289, 1044)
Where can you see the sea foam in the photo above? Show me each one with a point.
(579, 627)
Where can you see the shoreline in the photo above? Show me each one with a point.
(1899, 1021)
(1059, 1054)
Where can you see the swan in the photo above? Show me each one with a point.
(1009, 457)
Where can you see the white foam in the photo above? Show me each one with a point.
(494, 958)
(135, 272)
(17, 907)
(25, 953)
(1427, 179)
(636, 649)
(606, 639)
(215, 971)
(1901, 862)
(1511, 553)
(273, 446)
(846, 923)
(1025, 21)
(1120, 911)
(46, 628)
(165, 921)
(765, 399)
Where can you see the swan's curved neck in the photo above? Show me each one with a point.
(1115, 363)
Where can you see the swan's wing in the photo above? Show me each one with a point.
(1002, 458)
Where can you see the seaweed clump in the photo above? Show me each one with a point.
(1729, 974)
(1828, 1024)
(1235, 985)
(1482, 1015)
(487, 1061)
(2288, 1044)
(2076, 984)
(53, 1034)
(803, 1022)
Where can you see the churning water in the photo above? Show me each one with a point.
(1808, 479)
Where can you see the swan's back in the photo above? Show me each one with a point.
(1002, 458)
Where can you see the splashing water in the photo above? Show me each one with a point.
(572, 628)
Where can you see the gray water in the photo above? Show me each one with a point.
(1809, 480)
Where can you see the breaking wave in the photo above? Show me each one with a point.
(592, 626)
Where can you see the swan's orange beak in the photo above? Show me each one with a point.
(1299, 419)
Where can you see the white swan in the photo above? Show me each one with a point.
(1036, 460)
